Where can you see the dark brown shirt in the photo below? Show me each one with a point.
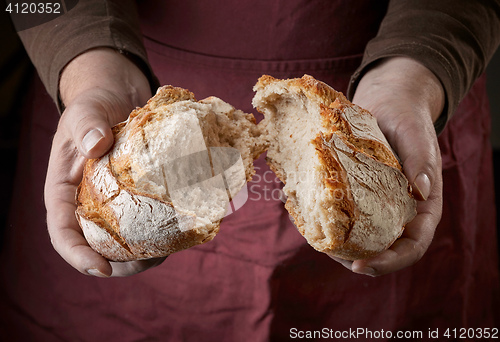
(455, 39)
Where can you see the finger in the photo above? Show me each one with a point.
(405, 252)
(89, 120)
(421, 158)
(63, 175)
(89, 129)
(412, 245)
(346, 263)
(124, 269)
(67, 237)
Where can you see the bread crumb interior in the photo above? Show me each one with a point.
(290, 124)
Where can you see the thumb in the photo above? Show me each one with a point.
(421, 158)
(89, 119)
(96, 141)
(91, 132)
(422, 186)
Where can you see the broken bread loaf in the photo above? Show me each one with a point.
(167, 181)
(345, 188)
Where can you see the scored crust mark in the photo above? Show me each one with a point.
(103, 224)
(334, 119)
(353, 201)
(90, 207)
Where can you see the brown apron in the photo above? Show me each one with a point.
(258, 280)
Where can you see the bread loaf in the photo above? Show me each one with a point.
(345, 187)
(166, 183)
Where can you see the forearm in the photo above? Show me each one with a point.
(104, 69)
(91, 24)
(453, 39)
(400, 77)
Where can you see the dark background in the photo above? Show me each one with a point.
(16, 73)
(493, 84)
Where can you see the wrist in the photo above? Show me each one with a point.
(402, 79)
(104, 70)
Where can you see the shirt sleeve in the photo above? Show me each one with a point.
(455, 39)
(89, 24)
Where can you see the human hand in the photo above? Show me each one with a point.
(406, 98)
(99, 89)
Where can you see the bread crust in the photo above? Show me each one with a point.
(123, 224)
(122, 220)
(364, 200)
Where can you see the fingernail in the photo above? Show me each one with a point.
(91, 139)
(422, 185)
(367, 270)
(96, 273)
